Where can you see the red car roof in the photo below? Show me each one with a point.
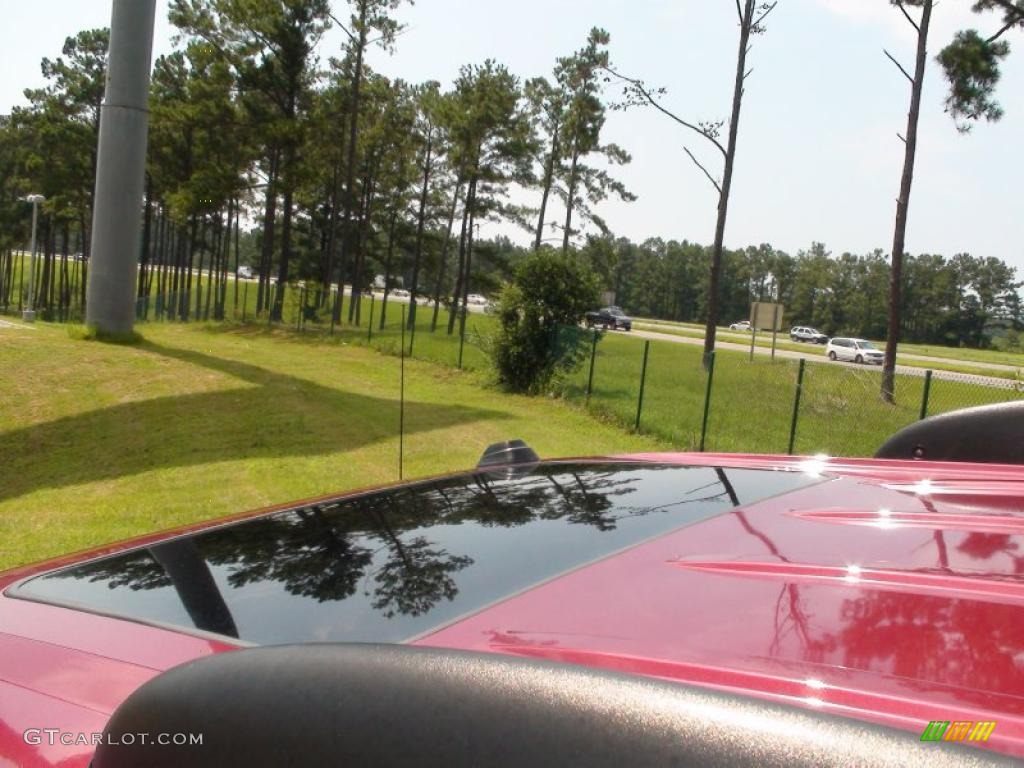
(892, 593)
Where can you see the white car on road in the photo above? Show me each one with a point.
(854, 350)
(742, 325)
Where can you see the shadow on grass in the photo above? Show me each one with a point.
(272, 415)
(435, 347)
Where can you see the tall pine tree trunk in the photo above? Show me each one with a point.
(327, 274)
(347, 233)
(453, 311)
(388, 266)
(570, 201)
(715, 271)
(286, 251)
(549, 177)
(420, 221)
(888, 389)
(199, 270)
(443, 259)
(358, 279)
(469, 255)
(147, 226)
(267, 246)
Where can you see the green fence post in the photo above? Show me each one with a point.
(643, 381)
(401, 402)
(796, 405)
(412, 325)
(334, 305)
(927, 392)
(590, 376)
(462, 337)
(369, 326)
(707, 399)
(302, 308)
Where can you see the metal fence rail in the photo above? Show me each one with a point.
(762, 406)
(653, 386)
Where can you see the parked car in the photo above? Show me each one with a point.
(611, 318)
(685, 608)
(476, 299)
(400, 293)
(807, 334)
(742, 325)
(855, 350)
(245, 272)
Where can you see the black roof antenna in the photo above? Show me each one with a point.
(514, 454)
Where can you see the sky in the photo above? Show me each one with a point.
(818, 158)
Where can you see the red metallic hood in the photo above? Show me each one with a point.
(873, 595)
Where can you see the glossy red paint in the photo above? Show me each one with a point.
(897, 609)
(70, 670)
(891, 592)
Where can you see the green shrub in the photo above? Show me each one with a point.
(1010, 341)
(549, 292)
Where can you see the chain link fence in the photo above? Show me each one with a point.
(760, 404)
(435, 332)
(735, 404)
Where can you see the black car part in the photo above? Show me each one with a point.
(508, 452)
(986, 434)
(382, 705)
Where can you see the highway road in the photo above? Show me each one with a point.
(379, 295)
(18, 326)
(736, 336)
(816, 353)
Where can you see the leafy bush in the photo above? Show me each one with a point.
(549, 292)
(1010, 341)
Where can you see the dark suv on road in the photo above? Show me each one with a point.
(609, 317)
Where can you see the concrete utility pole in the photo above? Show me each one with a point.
(120, 169)
(29, 314)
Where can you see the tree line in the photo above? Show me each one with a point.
(335, 172)
(962, 300)
(315, 167)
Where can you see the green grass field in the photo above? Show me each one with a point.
(102, 441)
(752, 403)
(240, 304)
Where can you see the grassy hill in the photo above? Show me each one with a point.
(100, 442)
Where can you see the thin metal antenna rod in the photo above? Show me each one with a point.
(401, 403)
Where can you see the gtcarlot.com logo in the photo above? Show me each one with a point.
(53, 736)
(958, 730)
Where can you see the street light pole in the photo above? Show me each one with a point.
(29, 315)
